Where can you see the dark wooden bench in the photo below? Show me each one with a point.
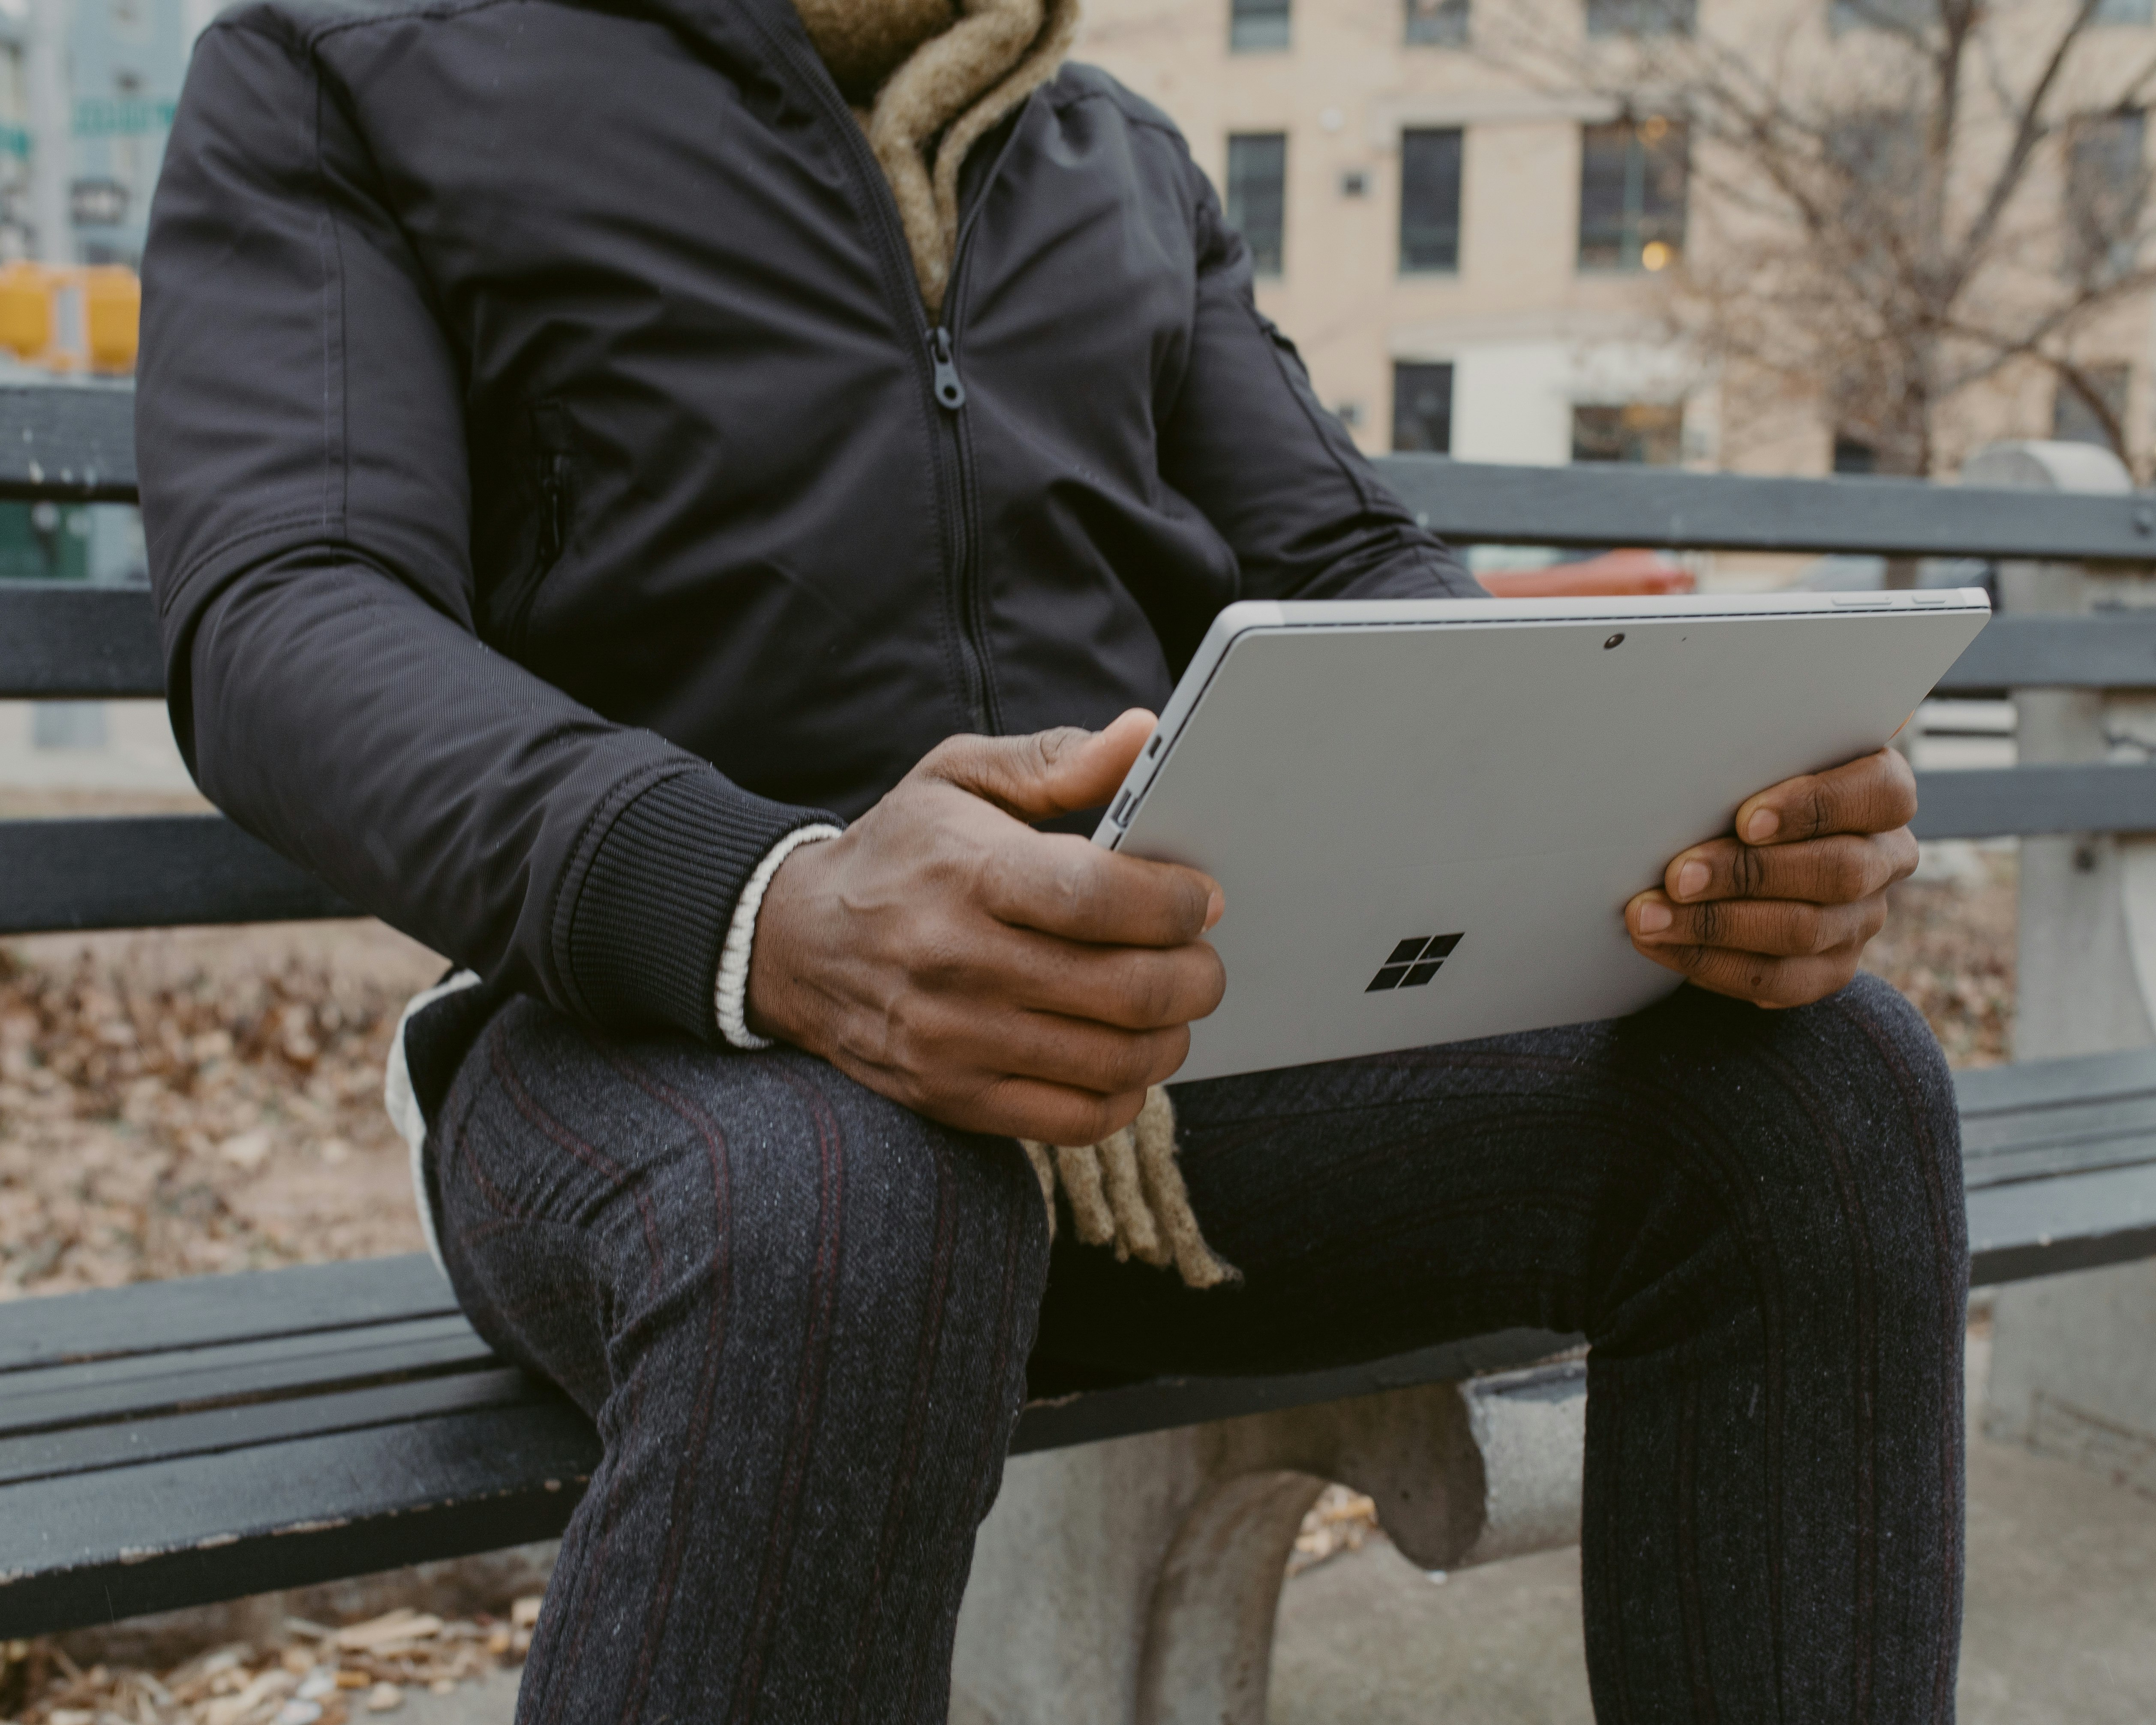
(181, 1443)
(172, 1443)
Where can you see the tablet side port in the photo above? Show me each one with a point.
(1121, 814)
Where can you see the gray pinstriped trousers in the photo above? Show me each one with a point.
(801, 1316)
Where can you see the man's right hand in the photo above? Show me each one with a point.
(993, 977)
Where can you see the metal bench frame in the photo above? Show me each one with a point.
(194, 1441)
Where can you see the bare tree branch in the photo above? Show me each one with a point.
(1867, 229)
(2029, 131)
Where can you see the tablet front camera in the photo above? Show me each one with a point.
(1613, 640)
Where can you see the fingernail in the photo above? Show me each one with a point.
(1654, 916)
(1692, 879)
(1214, 907)
(1764, 823)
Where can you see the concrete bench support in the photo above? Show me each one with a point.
(2073, 1368)
(1134, 1582)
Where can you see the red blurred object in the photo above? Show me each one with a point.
(1611, 573)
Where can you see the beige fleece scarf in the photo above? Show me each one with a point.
(930, 78)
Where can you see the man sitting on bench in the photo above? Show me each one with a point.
(590, 456)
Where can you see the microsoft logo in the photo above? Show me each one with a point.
(1414, 962)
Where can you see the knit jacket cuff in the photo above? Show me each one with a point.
(650, 915)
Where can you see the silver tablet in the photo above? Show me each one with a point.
(1427, 815)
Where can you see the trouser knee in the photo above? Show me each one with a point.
(1806, 1163)
(639, 1220)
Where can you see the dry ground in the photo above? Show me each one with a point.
(194, 1100)
(1950, 947)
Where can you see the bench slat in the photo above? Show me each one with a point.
(1591, 504)
(1059, 1422)
(149, 871)
(71, 443)
(2111, 649)
(198, 1310)
(248, 1425)
(2075, 1133)
(60, 639)
(125, 1541)
(2035, 1122)
(2007, 801)
(63, 639)
(2030, 1088)
(2046, 1227)
(2128, 1146)
(80, 448)
(146, 1386)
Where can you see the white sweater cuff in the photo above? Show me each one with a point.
(740, 937)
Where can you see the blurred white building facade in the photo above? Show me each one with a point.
(87, 90)
(1466, 265)
(1472, 266)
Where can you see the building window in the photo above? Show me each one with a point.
(2074, 421)
(1257, 196)
(1640, 17)
(1632, 176)
(1437, 23)
(1255, 26)
(1853, 454)
(2106, 184)
(1422, 409)
(1429, 200)
(1648, 433)
(1904, 16)
(2125, 12)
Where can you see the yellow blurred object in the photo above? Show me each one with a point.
(107, 316)
(111, 316)
(26, 310)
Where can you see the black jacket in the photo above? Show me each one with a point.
(555, 495)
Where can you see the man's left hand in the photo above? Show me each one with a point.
(1778, 913)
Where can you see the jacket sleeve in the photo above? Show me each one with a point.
(301, 447)
(1248, 442)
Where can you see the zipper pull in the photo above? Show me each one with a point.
(950, 393)
(554, 514)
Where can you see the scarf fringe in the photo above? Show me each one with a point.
(1127, 1192)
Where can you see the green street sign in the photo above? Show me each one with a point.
(110, 116)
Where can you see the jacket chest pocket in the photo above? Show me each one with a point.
(534, 519)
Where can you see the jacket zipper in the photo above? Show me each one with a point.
(964, 583)
(937, 364)
(951, 396)
(553, 540)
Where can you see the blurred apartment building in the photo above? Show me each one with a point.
(87, 93)
(15, 131)
(87, 90)
(1474, 263)
(125, 61)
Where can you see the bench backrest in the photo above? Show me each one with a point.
(74, 445)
